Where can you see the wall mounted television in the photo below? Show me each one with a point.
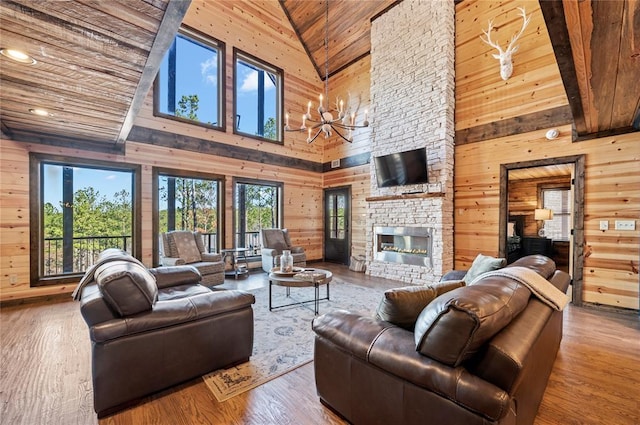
(402, 168)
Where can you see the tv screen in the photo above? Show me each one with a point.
(402, 168)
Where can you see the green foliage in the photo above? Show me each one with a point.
(188, 107)
(195, 204)
(270, 129)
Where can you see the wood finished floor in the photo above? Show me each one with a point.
(45, 374)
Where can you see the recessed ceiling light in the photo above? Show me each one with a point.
(40, 112)
(18, 56)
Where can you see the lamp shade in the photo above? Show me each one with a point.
(543, 214)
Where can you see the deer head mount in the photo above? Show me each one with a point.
(506, 65)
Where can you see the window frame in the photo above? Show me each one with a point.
(280, 201)
(209, 42)
(36, 218)
(259, 63)
(564, 187)
(187, 174)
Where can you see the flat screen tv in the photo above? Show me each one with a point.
(402, 168)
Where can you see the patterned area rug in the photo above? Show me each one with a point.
(283, 339)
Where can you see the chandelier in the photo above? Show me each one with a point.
(345, 120)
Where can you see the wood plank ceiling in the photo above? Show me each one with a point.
(95, 62)
(597, 45)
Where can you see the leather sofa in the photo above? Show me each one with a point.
(151, 329)
(485, 357)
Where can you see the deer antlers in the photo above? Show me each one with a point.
(506, 65)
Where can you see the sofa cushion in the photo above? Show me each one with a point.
(482, 264)
(402, 306)
(456, 324)
(127, 287)
(186, 246)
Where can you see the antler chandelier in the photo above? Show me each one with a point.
(326, 123)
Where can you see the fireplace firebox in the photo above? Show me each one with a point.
(405, 245)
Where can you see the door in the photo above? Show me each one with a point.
(337, 216)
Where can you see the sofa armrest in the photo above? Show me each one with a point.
(213, 257)
(351, 332)
(173, 312)
(269, 252)
(175, 275)
(454, 275)
(296, 249)
(172, 261)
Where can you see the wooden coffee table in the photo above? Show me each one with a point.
(314, 278)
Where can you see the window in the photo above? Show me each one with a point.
(559, 201)
(189, 201)
(257, 98)
(78, 209)
(190, 83)
(257, 205)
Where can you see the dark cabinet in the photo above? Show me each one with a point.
(542, 246)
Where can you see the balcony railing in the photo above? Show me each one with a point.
(84, 252)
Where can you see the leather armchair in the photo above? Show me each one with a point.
(274, 241)
(152, 329)
(180, 247)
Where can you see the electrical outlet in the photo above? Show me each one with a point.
(625, 225)
(335, 163)
(604, 225)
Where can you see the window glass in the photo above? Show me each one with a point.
(84, 211)
(256, 207)
(258, 94)
(186, 203)
(559, 201)
(190, 78)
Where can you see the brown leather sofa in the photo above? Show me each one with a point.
(485, 359)
(152, 329)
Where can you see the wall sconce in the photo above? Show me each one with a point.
(542, 214)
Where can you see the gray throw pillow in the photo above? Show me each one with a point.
(483, 264)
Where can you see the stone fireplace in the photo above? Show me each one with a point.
(412, 101)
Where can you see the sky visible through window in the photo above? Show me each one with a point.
(105, 182)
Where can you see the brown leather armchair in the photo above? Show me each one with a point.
(152, 329)
(180, 247)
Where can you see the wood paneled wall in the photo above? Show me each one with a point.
(611, 174)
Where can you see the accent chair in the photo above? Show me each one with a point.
(274, 241)
(183, 247)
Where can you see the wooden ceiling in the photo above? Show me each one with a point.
(545, 171)
(597, 45)
(349, 27)
(96, 60)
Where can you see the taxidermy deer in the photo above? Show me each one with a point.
(506, 65)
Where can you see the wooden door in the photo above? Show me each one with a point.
(337, 220)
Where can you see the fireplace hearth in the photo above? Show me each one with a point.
(404, 245)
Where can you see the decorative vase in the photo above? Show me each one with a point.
(286, 261)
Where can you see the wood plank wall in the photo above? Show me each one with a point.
(611, 176)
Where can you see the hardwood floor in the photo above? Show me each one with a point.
(45, 374)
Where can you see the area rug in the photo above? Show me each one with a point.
(283, 339)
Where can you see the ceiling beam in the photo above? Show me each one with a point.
(173, 17)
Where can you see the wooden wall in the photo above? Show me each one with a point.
(611, 175)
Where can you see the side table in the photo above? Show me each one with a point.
(237, 255)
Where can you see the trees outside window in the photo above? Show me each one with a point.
(257, 102)
(257, 205)
(190, 82)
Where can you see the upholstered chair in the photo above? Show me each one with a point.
(180, 247)
(274, 241)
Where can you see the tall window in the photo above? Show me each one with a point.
(190, 83)
(188, 202)
(257, 98)
(257, 205)
(559, 201)
(79, 210)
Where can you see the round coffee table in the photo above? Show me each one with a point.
(307, 278)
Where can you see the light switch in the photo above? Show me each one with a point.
(604, 225)
(625, 225)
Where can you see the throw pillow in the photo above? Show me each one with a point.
(186, 247)
(401, 306)
(483, 264)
